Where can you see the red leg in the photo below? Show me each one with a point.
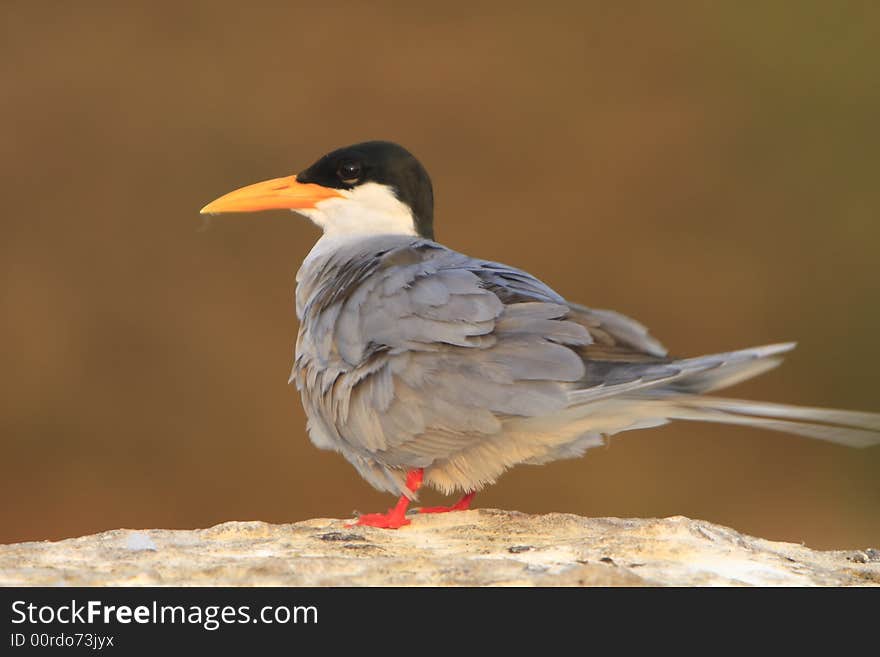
(396, 517)
(462, 505)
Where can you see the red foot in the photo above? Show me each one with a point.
(390, 520)
(462, 505)
(396, 517)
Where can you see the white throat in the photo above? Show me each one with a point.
(368, 209)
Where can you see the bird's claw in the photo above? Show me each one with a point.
(462, 505)
(388, 520)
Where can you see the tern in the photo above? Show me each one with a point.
(425, 366)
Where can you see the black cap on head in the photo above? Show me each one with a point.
(382, 162)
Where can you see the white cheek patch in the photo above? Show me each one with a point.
(369, 209)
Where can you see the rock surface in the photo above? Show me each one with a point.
(476, 548)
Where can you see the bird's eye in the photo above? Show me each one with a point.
(349, 172)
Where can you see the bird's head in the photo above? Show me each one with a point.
(369, 188)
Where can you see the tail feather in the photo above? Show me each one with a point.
(724, 376)
(675, 390)
(858, 419)
(730, 368)
(850, 428)
(688, 375)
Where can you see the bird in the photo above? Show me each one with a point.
(424, 366)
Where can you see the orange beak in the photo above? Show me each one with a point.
(278, 193)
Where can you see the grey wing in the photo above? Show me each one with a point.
(613, 336)
(437, 352)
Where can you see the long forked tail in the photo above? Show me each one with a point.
(637, 395)
(850, 428)
(649, 394)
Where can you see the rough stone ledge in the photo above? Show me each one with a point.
(473, 548)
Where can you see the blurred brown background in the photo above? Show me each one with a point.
(709, 168)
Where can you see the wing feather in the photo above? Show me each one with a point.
(427, 354)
